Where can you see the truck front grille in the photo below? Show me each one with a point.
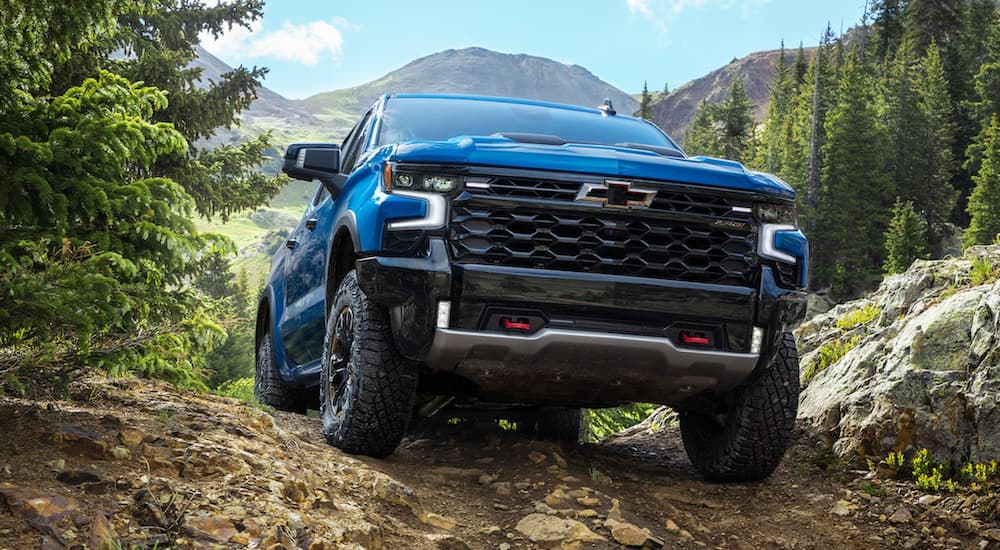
(602, 241)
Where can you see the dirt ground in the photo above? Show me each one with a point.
(134, 464)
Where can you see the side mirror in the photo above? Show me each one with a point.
(312, 161)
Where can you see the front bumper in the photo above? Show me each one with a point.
(606, 339)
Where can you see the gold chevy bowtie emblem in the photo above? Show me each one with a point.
(617, 194)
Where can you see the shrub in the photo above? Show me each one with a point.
(828, 354)
(857, 317)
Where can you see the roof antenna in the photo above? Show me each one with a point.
(608, 108)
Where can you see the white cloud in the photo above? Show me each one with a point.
(660, 12)
(307, 43)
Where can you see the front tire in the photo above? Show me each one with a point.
(268, 387)
(754, 426)
(367, 389)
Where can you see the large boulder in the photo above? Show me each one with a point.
(915, 365)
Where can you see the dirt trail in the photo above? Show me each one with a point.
(137, 463)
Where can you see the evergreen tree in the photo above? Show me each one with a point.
(984, 203)
(801, 65)
(777, 127)
(703, 138)
(645, 104)
(735, 119)
(987, 83)
(906, 240)
(666, 89)
(97, 245)
(933, 195)
(931, 21)
(851, 218)
(888, 27)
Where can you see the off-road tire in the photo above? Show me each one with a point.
(746, 441)
(268, 387)
(369, 410)
(564, 425)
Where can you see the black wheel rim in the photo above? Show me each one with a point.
(340, 361)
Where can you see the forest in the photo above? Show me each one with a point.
(889, 134)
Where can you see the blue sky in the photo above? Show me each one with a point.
(313, 46)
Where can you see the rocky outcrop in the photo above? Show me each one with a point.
(914, 365)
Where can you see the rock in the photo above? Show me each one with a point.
(502, 488)
(992, 534)
(919, 375)
(559, 460)
(461, 473)
(901, 515)
(587, 513)
(928, 500)
(209, 528)
(486, 479)
(118, 452)
(102, 533)
(589, 501)
(78, 477)
(841, 508)
(439, 521)
(911, 542)
(80, 441)
(448, 542)
(37, 507)
(556, 497)
(491, 530)
(130, 437)
(551, 531)
(536, 457)
(939, 531)
(391, 491)
(671, 526)
(615, 513)
(628, 534)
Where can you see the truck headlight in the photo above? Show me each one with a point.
(399, 178)
(775, 213)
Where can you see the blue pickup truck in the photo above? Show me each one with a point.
(500, 253)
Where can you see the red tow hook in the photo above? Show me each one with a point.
(520, 324)
(697, 339)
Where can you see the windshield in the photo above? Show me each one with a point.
(439, 119)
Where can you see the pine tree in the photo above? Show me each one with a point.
(735, 117)
(931, 21)
(775, 136)
(933, 195)
(703, 137)
(906, 240)
(645, 104)
(666, 89)
(851, 219)
(987, 84)
(984, 203)
(801, 65)
(888, 27)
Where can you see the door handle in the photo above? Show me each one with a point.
(311, 223)
(291, 243)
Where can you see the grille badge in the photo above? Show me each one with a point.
(617, 194)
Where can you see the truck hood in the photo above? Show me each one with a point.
(602, 160)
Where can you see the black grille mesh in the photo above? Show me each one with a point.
(600, 243)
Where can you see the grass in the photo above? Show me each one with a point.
(242, 389)
(828, 354)
(933, 476)
(983, 272)
(857, 317)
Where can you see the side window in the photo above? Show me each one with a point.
(320, 195)
(354, 144)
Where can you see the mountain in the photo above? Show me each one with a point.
(675, 112)
(288, 119)
(475, 71)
